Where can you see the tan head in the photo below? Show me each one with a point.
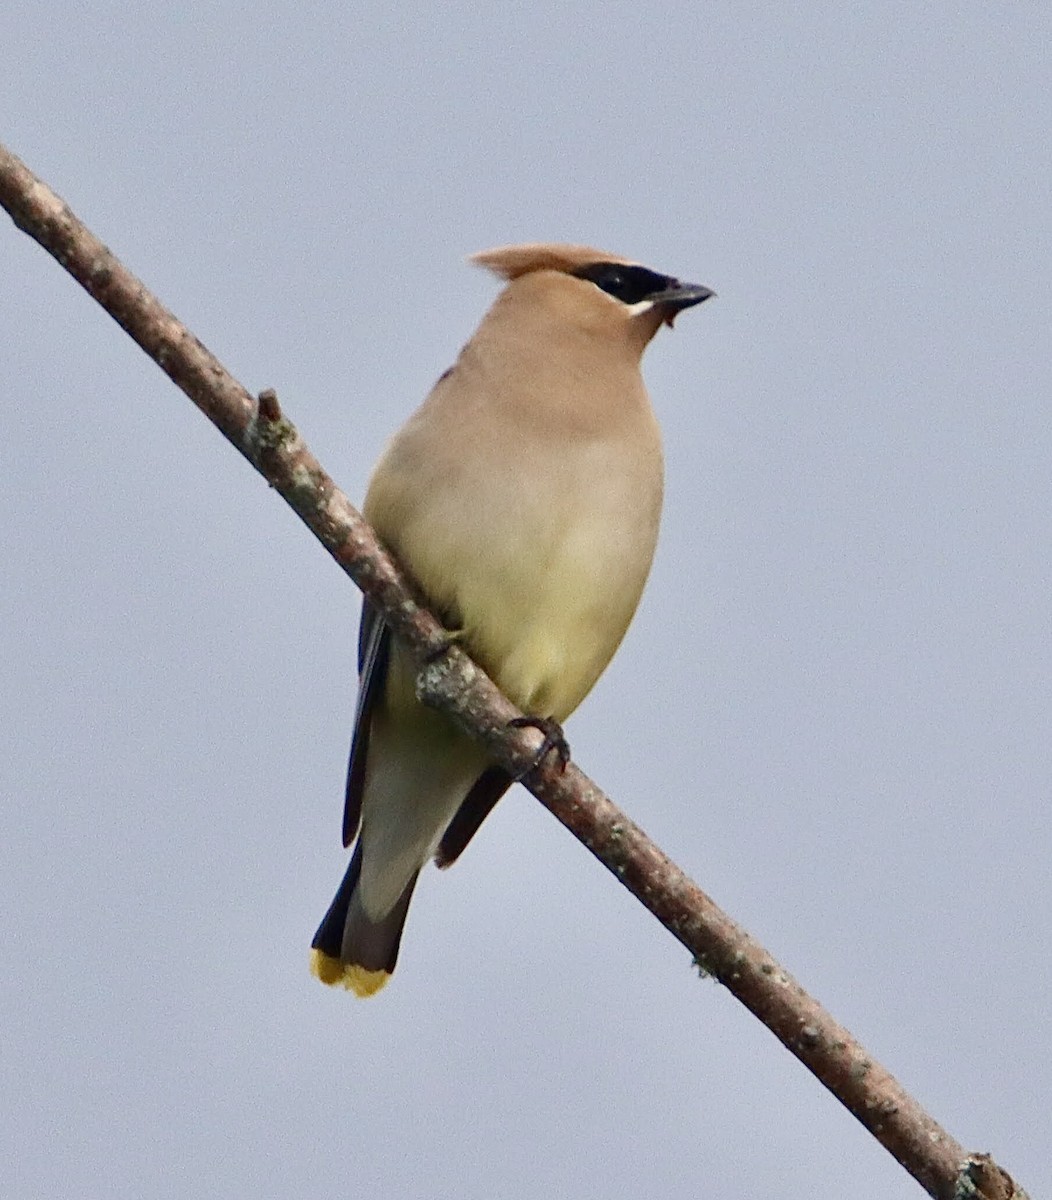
(592, 289)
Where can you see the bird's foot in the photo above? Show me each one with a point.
(554, 739)
(442, 644)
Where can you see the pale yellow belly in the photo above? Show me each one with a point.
(543, 583)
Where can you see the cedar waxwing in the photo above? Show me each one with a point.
(523, 497)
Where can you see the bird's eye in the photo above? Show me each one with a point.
(629, 284)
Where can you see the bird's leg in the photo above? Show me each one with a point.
(554, 739)
(442, 644)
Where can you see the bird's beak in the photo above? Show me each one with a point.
(674, 299)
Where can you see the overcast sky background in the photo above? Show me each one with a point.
(832, 709)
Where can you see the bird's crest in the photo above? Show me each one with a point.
(511, 262)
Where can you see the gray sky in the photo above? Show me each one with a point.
(832, 709)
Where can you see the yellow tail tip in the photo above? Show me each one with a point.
(347, 975)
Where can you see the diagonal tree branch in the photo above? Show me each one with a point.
(449, 680)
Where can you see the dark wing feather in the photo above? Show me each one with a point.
(374, 651)
(477, 805)
(329, 938)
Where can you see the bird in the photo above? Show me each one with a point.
(523, 499)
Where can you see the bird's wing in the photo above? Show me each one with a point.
(477, 805)
(374, 651)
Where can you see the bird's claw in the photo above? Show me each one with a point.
(442, 644)
(554, 739)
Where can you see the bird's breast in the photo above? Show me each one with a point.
(540, 558)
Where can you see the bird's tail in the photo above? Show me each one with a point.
(352, 949)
